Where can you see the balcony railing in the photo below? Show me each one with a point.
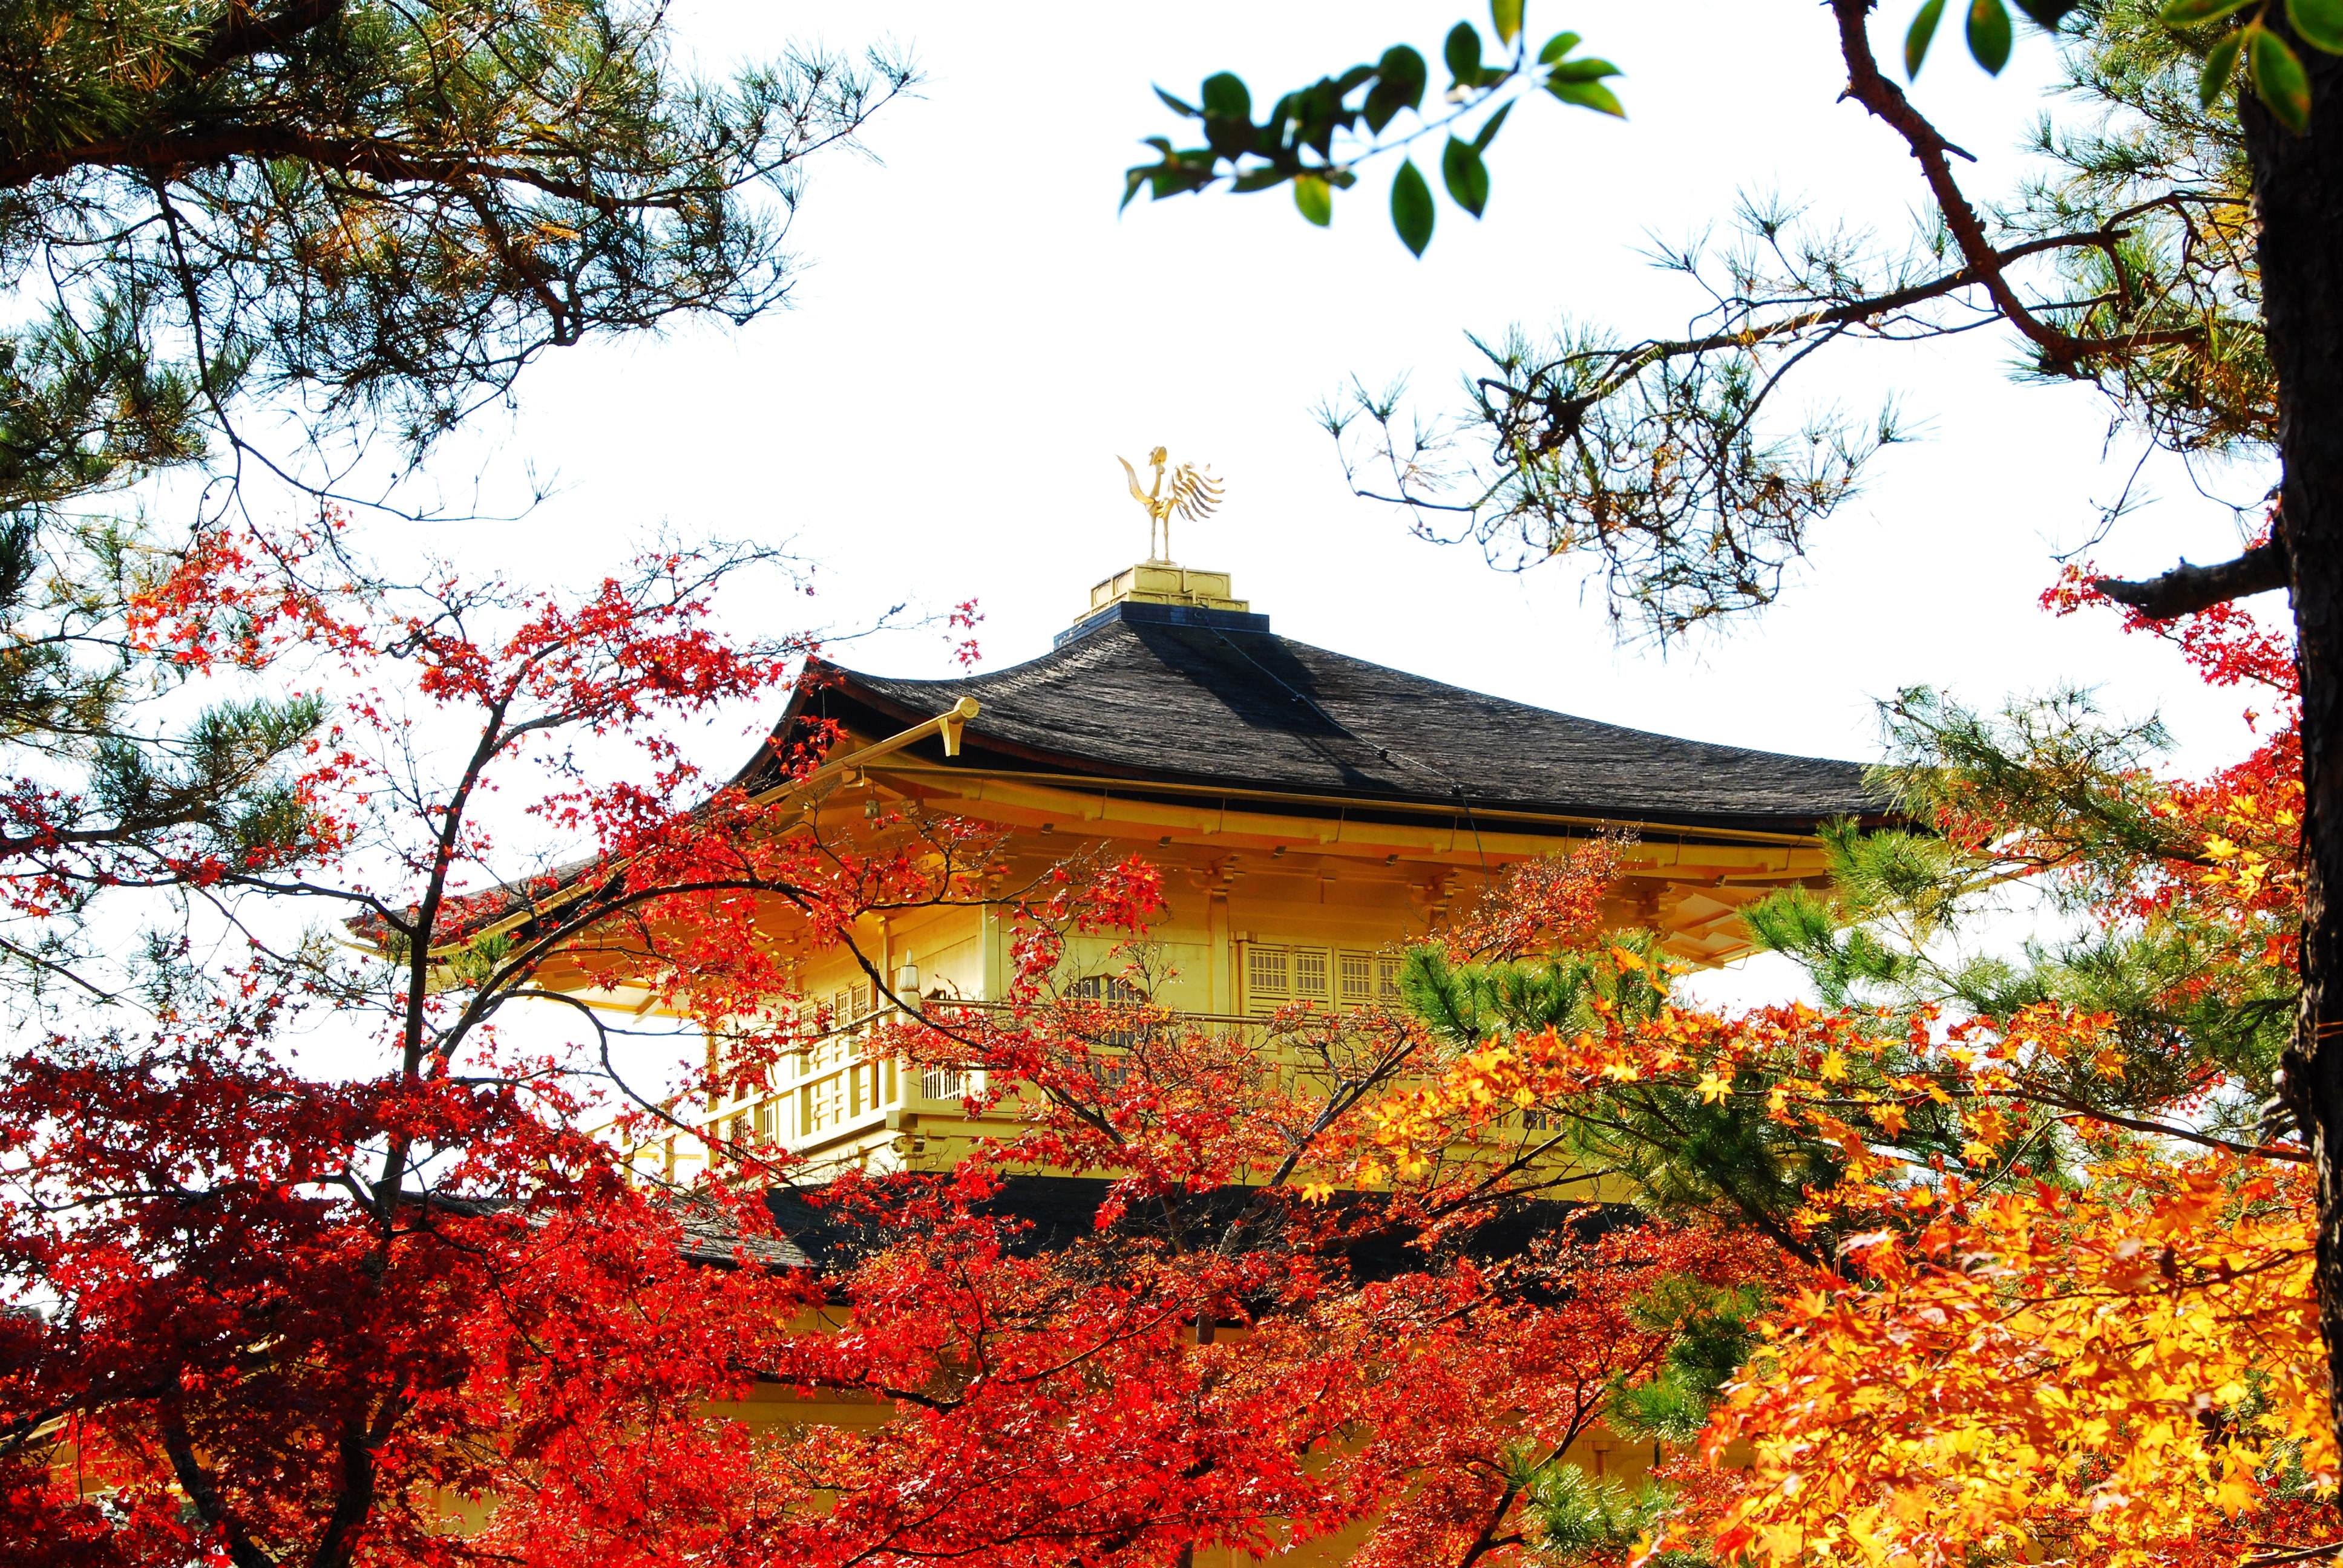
(837, 1095)
(837, 1092)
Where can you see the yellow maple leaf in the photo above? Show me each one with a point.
(2237, 1491)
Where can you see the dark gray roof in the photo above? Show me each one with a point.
(1048, 1215)
(1146, 692)
(709, 1238)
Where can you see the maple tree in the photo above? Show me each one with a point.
(2045, 1240)
(267, 1310)
(2164, 1284)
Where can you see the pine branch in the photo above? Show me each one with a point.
(169, 155)
(242, 34)
(1870, 87)
(2186, 588)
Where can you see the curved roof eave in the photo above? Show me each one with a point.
(1242, 709)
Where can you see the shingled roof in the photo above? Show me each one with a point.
(1179, 695)
(1054, 1214)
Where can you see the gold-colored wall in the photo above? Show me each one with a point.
(1255, 888)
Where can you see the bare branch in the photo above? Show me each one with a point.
(2186, 588)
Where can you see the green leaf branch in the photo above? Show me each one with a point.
(1316, 138)
(2260, 41)
(2263, 41)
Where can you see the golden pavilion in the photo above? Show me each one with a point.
(1311, 812)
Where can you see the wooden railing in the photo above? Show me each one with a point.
(835, 1092)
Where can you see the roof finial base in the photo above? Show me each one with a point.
(1156, 581)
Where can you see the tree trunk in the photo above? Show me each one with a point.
(2298, 198)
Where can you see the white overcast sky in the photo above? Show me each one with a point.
(976, 335)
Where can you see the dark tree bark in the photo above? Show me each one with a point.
(2298, 198)
(2188, 588)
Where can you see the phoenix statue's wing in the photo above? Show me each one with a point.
(1136, 494)
(1195, 492)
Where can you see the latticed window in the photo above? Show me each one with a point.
(943, 1084)
(1278, 975)
(849, 1019)
(1268, 974)
(1114, 992)
(1310, 973)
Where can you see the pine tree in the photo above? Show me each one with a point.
(265, 240)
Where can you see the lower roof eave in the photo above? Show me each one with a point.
(1369, 805)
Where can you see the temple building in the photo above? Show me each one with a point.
(1312, 812)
